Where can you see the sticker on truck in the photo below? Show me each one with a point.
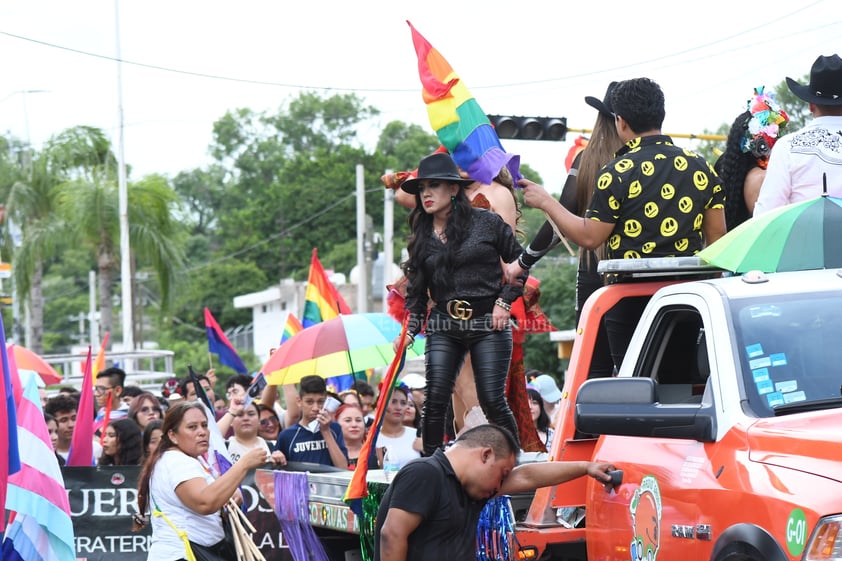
(646, 513)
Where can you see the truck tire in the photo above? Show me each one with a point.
(745, 542)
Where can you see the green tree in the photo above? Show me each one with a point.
(33, 206)
(89, 207)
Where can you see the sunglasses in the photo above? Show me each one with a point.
(269, 421)
(148, 409)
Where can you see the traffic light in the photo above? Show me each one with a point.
(529, 128)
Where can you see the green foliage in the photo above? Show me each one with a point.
(283, 182)
(557, 274)
(797, 109)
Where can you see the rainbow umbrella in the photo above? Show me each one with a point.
(796, 237)
(341, 345)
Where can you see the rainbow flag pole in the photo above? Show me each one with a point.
(460, 124)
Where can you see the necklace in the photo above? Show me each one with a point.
(442, 235)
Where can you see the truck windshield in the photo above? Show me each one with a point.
(790, 351)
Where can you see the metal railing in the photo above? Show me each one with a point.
(145, 368)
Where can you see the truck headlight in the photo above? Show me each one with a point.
(825, 543)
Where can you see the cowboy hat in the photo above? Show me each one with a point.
(604, 105)
(825, 87)
(435, 166)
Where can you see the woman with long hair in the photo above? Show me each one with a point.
(742, 166)
(121, 444)
(178, 482)
(455, 253)
(151, 438)
(144, 409)
(395, 438)
(540, 417)
(576, 196)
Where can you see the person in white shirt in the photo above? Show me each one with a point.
(400, 442)
(802, 163)
(177, 481)
(245, 438)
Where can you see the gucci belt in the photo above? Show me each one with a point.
(459, 309)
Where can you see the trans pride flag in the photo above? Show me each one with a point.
(9, 454)
(40, 527)
(321, 299)
(459, 122)
(219, 344)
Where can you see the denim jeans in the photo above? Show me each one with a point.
(448, 342)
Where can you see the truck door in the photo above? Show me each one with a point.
(655, 513)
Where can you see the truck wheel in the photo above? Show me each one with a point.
(740, 552)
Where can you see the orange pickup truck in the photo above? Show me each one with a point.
(725, 423)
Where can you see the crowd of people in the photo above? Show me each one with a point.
(631, 193)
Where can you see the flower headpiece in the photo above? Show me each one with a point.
(764, 126)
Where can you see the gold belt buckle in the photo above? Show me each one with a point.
(459, 309)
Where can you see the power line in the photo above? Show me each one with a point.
(406, 90)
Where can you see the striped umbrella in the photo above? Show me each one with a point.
(796, 237)
(341, 345)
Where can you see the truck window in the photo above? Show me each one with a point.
(675, 356)
(789, 349)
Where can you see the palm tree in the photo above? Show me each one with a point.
(91, 209)
(32, 206)
(73, 198)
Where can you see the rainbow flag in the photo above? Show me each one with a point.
(321, 299)
(9, 451)
(291, 327)
(357, 488)
(81, 451)
(40, 527)
(459, 122)
(219, 344)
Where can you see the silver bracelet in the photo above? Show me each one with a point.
(503, 304)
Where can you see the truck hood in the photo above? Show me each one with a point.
(809, 442)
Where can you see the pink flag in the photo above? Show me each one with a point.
(41, 528)
(82, 445)
(9, 454)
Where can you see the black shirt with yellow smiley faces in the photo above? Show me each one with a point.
(655, 194)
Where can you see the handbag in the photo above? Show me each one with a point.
(223, 550)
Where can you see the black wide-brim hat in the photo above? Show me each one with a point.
(825, 87)
(603, 105)
(436, 166)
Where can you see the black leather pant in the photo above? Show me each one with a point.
(447, 344)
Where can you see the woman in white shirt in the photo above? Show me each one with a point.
(400, 442)
(177, 481)
(246, 426)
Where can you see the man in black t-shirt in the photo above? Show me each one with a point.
(431, 509)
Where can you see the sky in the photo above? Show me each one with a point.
(187, 62)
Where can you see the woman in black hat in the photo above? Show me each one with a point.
(455, 252)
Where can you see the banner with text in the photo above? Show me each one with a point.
(103, 500)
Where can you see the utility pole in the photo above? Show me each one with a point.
(125, 249)
(362, 266)
(388, 236)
